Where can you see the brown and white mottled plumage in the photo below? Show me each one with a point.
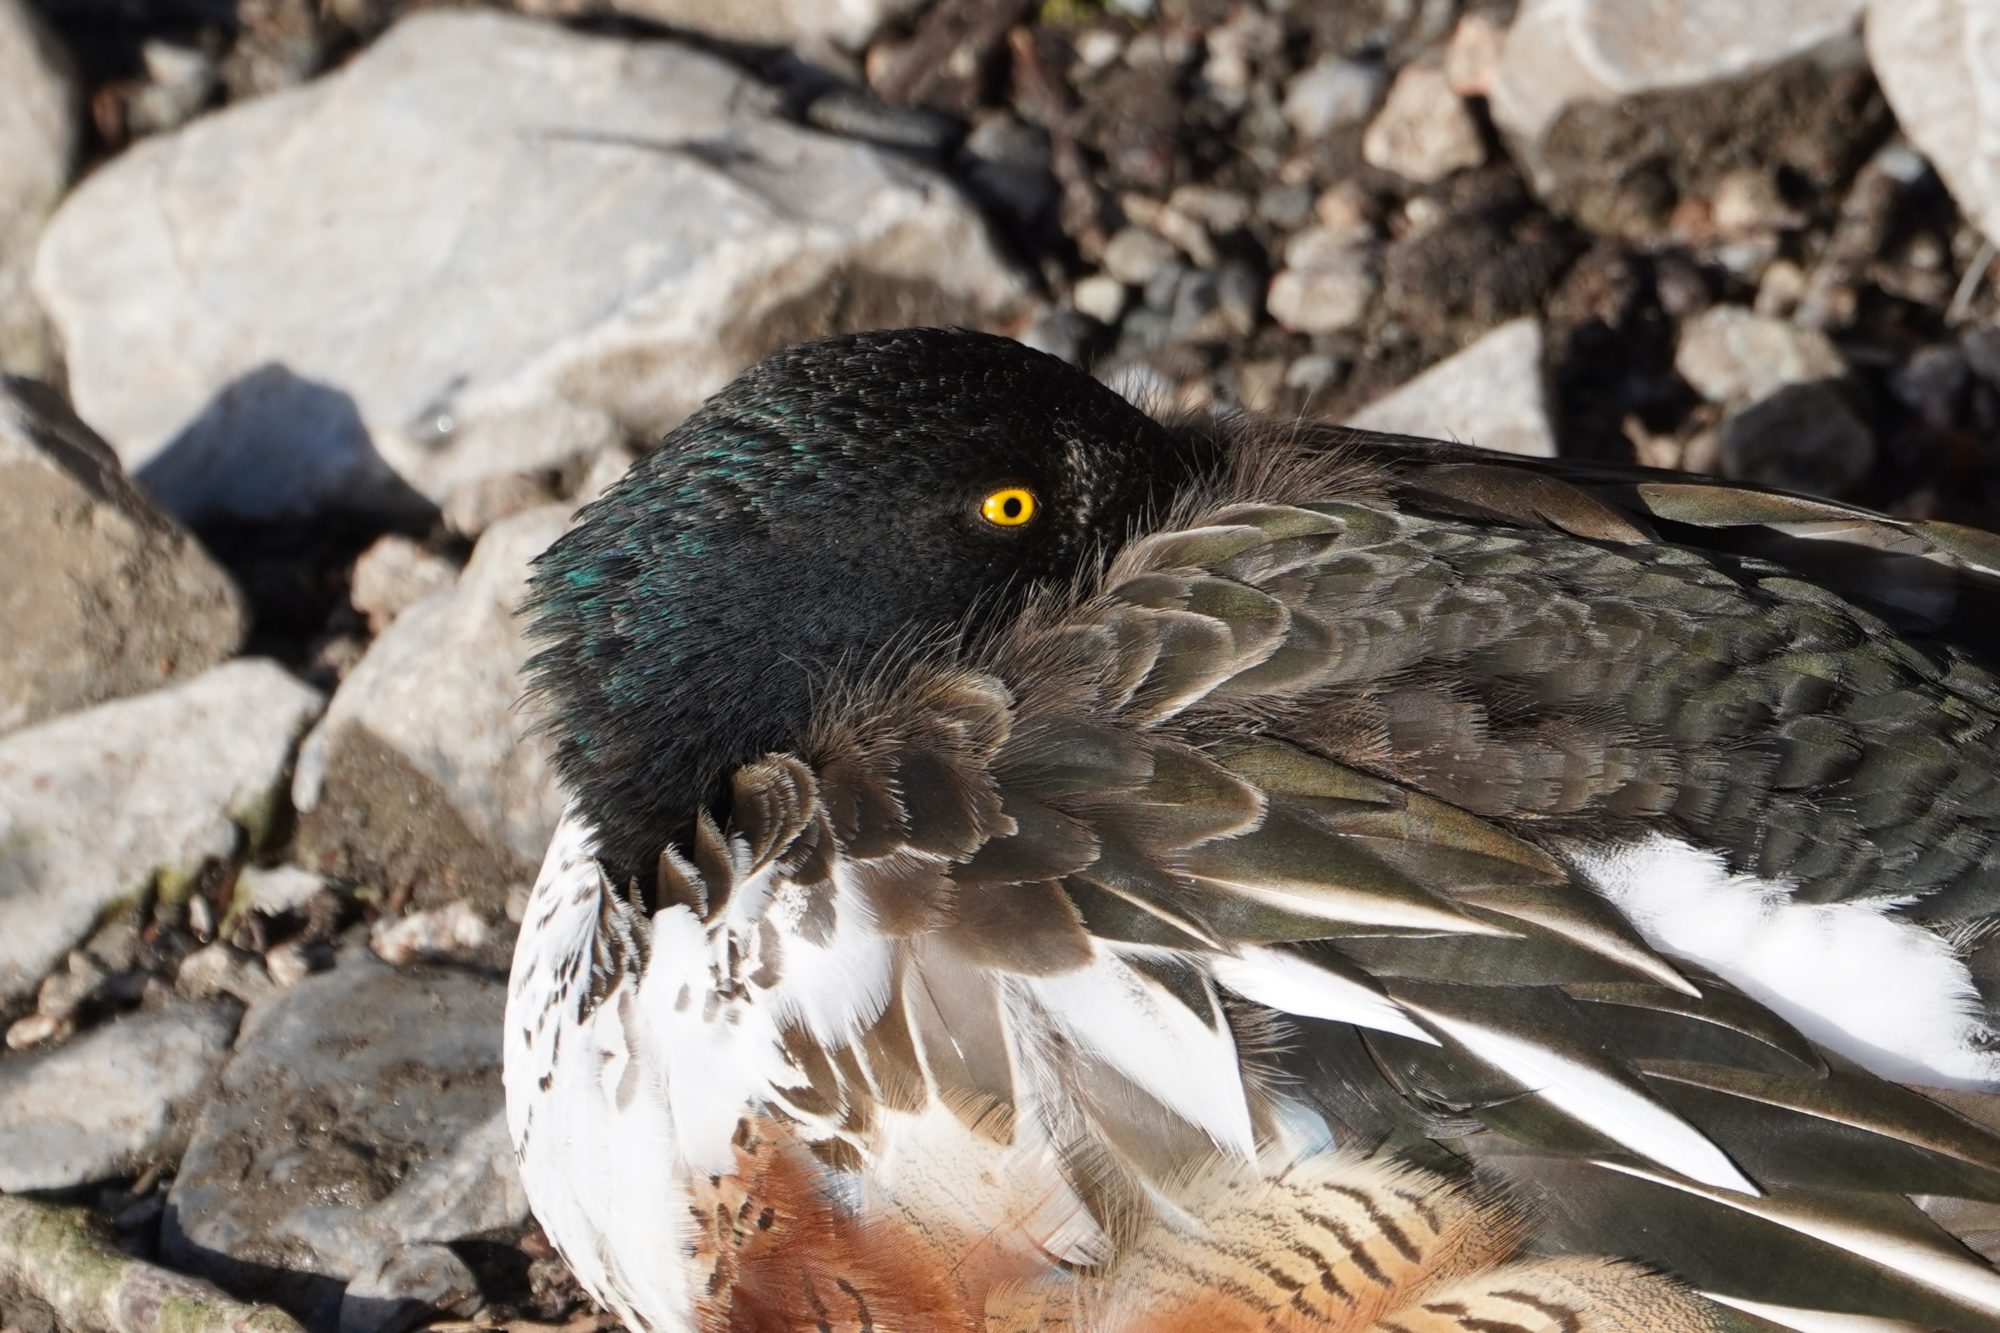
(1337, 1243)
(1628, 839)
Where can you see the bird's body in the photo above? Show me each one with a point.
(1626, 840)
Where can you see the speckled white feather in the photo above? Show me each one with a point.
(600, 1170)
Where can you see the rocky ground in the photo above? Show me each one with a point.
(331, 311)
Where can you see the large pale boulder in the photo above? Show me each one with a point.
(487, 245)
(1938, 62)
(39, 132)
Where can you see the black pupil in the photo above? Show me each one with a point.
(1011, 506)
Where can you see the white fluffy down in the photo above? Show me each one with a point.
(1887, 993)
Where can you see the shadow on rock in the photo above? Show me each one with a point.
(273, 445)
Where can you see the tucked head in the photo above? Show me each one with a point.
(837, 497)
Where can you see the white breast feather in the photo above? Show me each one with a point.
(603, 1177)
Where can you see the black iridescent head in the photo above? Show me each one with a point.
(837, 497)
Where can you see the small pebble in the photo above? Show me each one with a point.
(274, 890)
(1333, 294)
(1730, 354)
(1133, 255)
(1310, 374)
(34, 1030)
(200, 918)
(1331, 93)
(1747, 200)
(1315, 246)
(1258, 383)
(1061, 333)
(63, 992)
(1221, 211)
(1101, 296)
(288, 964)
(1098, 48)
(1423, 132)
(1347, 209)
(1472, 59)
(452, 931)
(1287, 206)
(180, 81)
(1931, 384)
(218, 969)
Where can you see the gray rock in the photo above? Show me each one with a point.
(179, 82)
(393, 575)
(106, 804)
(1490, 394)
(110, 1101)
(1217, 209)
(1938, 62)
(1007, 161)
(1982, 354)
(1730, 354)
(1803, 437)
(422, 753)
(104, 596)
(1101, 296)
(1563, 52)
(39, 134)
(1059, 332)
(649, 220)
(478, 505)
(1932, 384)
(365, 1105)
(1423, 132)
(1134, 255)
(404, 1287)
(1286, 205)
(845, 23)
(1617, 109)
(1329, 294)
(1331, 93)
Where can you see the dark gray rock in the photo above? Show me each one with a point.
(110, 1101)
(1804, 437)
(360, 1116)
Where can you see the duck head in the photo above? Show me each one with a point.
(838, 498)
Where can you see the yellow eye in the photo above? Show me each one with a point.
(1008, 507)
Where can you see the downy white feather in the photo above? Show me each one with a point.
(1888, 993)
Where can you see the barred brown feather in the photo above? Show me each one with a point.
(1342, 1244)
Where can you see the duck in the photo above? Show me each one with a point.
(1016, 839)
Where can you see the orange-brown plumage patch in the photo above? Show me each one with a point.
(783, 1258)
